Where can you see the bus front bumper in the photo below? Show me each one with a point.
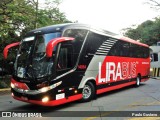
(50, 102)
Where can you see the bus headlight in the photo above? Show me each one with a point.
(12, 85)
(45, 99)
(55, 85)
(45, 89)
(151, 69)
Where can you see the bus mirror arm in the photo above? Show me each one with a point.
(6, 49)
(50, 46)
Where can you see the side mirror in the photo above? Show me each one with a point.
(50, 46)
(5, 51)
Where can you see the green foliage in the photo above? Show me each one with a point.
(20, 16)
(148, 32)
(154, 4)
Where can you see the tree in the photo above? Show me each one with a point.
(155, 4)
(18, 17)
(148, 32)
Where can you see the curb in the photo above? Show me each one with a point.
(157, 78)
(5, 89)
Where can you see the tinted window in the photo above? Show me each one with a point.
(126, 49)
(138, 51)
(79, 35)
(65, 57)
(120, 48)
(94, 41)
(51, 36)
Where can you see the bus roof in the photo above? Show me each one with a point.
(132, 41)
(62, 27)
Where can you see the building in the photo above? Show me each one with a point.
(155, 60)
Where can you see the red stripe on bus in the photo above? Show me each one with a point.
(133, 41)
(115, 87)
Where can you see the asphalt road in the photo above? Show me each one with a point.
(119, 104)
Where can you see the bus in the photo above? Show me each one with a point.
(66, 62)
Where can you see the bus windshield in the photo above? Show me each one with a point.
(31, 61)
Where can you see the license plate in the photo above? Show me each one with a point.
(60, 96)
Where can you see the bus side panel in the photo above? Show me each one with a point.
(114, 63)
(116, 72)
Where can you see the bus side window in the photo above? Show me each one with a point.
(125, 49)
(65, 57)
(94, 42)
(79, 35)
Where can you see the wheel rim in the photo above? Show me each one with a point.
(138, 81)
(86, 92)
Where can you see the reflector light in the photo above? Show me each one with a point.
(75, 91)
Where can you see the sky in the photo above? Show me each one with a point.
(112, 15)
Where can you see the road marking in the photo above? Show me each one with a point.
(132, 105)
(145, 118)
(91, 118)
(147, 104)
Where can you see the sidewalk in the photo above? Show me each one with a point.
(5, 84)
(5, 91)
(158, 78)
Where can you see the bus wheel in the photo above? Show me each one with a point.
(138, 80)
(88, 92)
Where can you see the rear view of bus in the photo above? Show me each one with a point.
(67, 62)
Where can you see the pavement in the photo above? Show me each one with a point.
(142, 99)
(158, 78)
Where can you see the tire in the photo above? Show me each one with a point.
(138, 81)
(88, 92)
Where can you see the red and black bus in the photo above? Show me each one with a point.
(67, 62)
